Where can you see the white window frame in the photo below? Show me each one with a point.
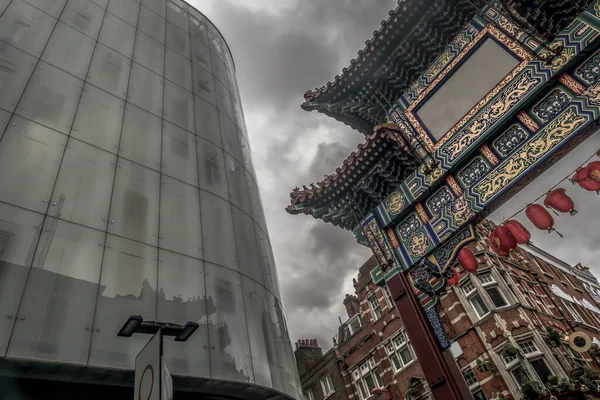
(572, 310)
(388, 297)
(327, 386)
(531, 351)
(375, 307)
(492, 283)
(308, 395)
(470, 294)
(360, 375)
(395, 347)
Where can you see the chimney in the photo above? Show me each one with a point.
(307, 353)
(352, 305)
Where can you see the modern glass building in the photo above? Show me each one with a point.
(127, 188)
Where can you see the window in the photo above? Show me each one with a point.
(519, 375)
(475, 299)
(572, 310)
(470, 377)
(327, 386)
(533, 364)
(479, 395)
(375, 307)
(366, 378)
(388, 296)
(309, 395)
(490, 286)
(541, 369)
(400, 351)
(528, 347)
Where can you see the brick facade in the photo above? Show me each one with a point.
(314, 366)
(523, 294)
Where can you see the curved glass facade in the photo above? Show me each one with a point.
(127, 188)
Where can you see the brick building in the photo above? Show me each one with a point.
(319, 373)
(506, 305)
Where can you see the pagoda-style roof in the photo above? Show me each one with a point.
(365, 179)
(414, 34)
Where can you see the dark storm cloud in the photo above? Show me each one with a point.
(281, 49)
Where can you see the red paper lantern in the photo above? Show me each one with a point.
(520, 233)
(583, 179)
(498, 251)
(558, 200)
(540, 217)
(504, 240)
(453, 280)
(467, 260)
(594, 170)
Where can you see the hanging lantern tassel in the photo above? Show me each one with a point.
(541, 218)
(558, 200)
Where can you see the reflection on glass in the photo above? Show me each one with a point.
(182, 298)
(228, 334)
(127, 287)
(19, 230)
(217, 230)
(15, 69)
(50, 324)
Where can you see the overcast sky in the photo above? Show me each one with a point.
(283, 48)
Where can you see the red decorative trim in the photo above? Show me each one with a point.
(422, 213)
(489, 154)
(456, 188)
(571, 83)
(528, 121)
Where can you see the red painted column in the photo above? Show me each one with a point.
(440, 369)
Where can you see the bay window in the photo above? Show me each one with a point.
(375, 307)
(532, 365)
(484, 293)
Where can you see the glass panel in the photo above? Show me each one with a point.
(229, 134)
(127, 10)
(256, 208)
(15, 69)
(152, 24)
(182, 298)
(146, 89)
(220, 71)
(247, 247)
(69, 50)
(217, 230)
(178, 69)
(201, 54)
(179, 154)
(520, 375)
(178, 40)
(83, 15)
(256, 310)
(236, 182)
(84, 185)
(19, 231)
(158, 6)
(541, 369)
(127, 287)
(52, 7)
(177, 16)
(109, 71)
(204, 84)
(179, 106)
(4, 118)
(224, 100)
(215, 42)
(207, 121)
(479, 305)
(496, 297)
(29, 153)
(285, 354)
(141, 137)
(149, 53)
(228, 333)
(211, 168)
(51, 98)
(98, 120)
(134, 209)
(180, 228)
(26, 27)
(56, 314)
(118, 35)
(267, 262)
(198, 28)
